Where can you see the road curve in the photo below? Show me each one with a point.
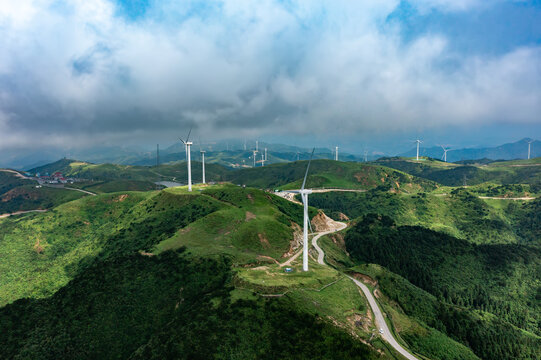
(379, 319)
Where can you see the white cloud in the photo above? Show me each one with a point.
(78, 67)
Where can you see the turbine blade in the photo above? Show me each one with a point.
(188, 138)
(307, 168)
(184, 142)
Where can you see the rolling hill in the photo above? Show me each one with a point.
(450, 174)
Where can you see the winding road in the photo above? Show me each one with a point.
(379, 319)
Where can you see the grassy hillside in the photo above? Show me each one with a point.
(103, 172)
(501, 173)
(81, 281)
(328, 174)
(47, 249)
(113, 311)
(459, 213)
(498, 284)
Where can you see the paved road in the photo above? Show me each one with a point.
(379, 319)
(20, 212)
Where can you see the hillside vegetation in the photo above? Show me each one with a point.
(328, 174)
(501, 173)
(483, 288)
(459, 213)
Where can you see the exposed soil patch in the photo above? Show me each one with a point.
(296, 242)
(121, 198)
(250, 197)
(146, 253)
(264, 241)
(38, 248)
(249, 216)
(365, 278)
(343, 216)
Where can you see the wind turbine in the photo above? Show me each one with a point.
(336, 153)
(365, 155)
(202, 159)
(188, 145)
(444, 157)
(263, 159)
(418, 142)
(304, 195)
(529, 148)
(255, 155)
(265, 154)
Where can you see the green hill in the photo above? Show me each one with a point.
(104, 172)
(491, 279)
(450, 174)
(91, 270)
(328, 174)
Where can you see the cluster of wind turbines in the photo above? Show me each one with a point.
(444, 156)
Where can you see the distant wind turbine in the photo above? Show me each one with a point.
(255, 155)
(529, 148)
(418, 142)
(188, 145)
(365, 155)
(306, 222)
(444, 157)
(336, 153)
(202, 159)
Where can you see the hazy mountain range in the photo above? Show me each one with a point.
(231, 153)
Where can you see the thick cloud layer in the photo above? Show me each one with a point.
(75, 72)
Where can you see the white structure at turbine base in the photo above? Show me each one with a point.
(188, 145)
(306, 221)
(529, 148)
(203, 162)
(418, 142)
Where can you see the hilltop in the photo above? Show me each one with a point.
(329, 174)
(451, 174)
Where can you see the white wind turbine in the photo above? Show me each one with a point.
(444, 157)
(202, 159)
(336, 153)
(529, 148)
(418, 142)
(255, 155)
(188, 145)
(306, 222)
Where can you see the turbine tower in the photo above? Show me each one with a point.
(444, 157)
(306, 222)
(529, 148)
(336, 153)
(255, 155)
(418, 142)
(365, 155)
(188, 145)
(202, 160)
(265, 154)
(257, 145)
(262, 159)
(157, 155)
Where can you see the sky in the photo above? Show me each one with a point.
(376, 73)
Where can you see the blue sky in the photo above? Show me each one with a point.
(75, 73)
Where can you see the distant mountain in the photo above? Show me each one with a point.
(510, 151)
